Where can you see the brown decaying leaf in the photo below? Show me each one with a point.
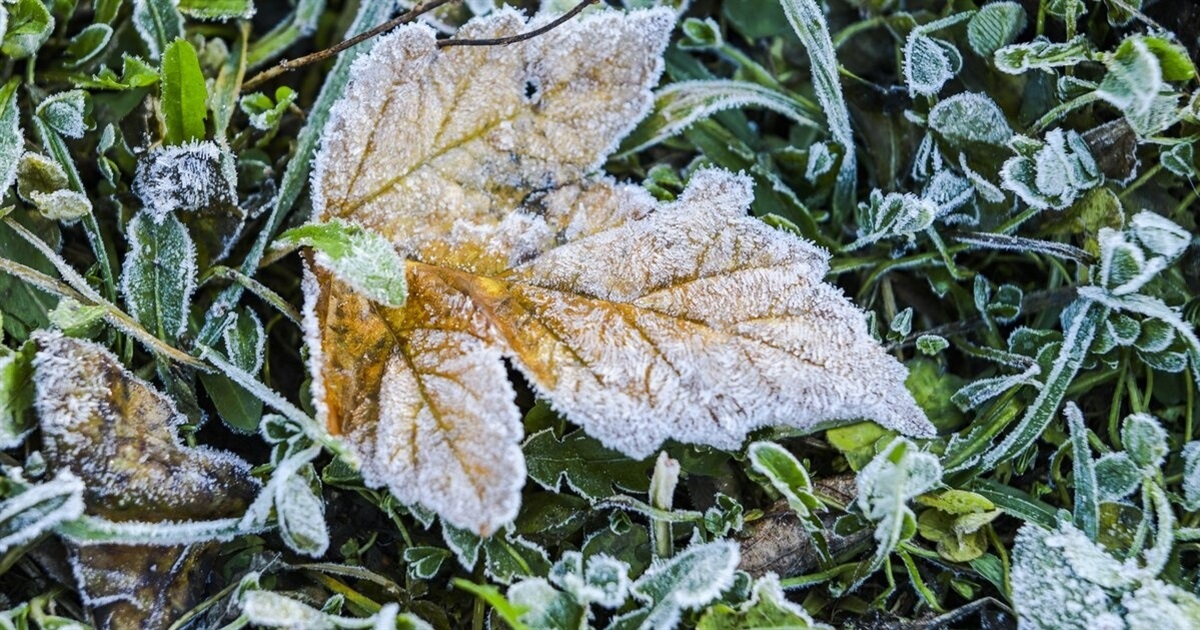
(640, 321)
(118, 435)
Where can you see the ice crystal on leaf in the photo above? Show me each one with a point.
(639, 321)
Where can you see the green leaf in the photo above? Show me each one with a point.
(159, 275)
(510, 613)
(184, 94)
(1172, 57)
(1042, 54)
(1116, 477)
(358, 256)
(424, 562)
(217, 10)
(970, 118)
(29, 26)
(135, 73)
(1191, 476)
(16, 395)
(1087, 496)
(587, 467)
(302, 22)
(244, 342)
(159, 23)
(547, 608)
(995, 25)
(87, 44)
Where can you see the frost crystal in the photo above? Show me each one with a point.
(1055, 174)
(187, 177)
(640, 321)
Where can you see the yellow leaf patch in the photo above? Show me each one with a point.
(638, 320)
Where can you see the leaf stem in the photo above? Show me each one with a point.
(513, 39)
(287, 65)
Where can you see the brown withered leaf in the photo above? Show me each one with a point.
(640, 321)
(117, 434)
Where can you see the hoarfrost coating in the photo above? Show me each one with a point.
(639, 320)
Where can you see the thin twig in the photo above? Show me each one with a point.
(512, 39)
(287, 65)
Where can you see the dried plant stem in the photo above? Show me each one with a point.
(512, 39)
(287, 65)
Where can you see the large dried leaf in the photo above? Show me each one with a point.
(640, 321)
(117, 434)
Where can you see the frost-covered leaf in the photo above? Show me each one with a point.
(356, 256)
(159, 275)
(1145, 440)
(424, 562)
(690, 580)
(807, 18)
(896, 214)
(217, 10)
(930, 345)
(39, 508)
(264, 112)
(117, 434)
(587, 467)
(640, 321)
(788, 477)
(970, 118)
(767, 607)
(1055, 174)
(1136, 85)
(995, 25)
(66, 113)
(1191, 476)
(679, 105)
(929, 63)
(198, 181)
(12, 141)
(546, 607)
(301, 517)
(42, 182)
(159, 23)
(29, 26)
(87, 44)
(1042, 54)
(1116, 476)
(1160, 235)
(135, 73)
(244, 343)
(898, 474)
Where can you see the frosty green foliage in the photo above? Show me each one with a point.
(217, 10)
(1043, 54)
(268, 609)
(1063, 580)
(929, 63)
(1191, 476)
(159, 23)
(896, 214)
(789, 478)
(931, 344)
(1116, 477)
(898, 474)
(767, 607)
(38, 508)
(264, 112)
(970, 118)
(299, 511)
(29, 25)
(808, 20)
(88, 44)
(688, 581)
(43, 182)
(545, 606)
(1145, 440)
(77, 319)
(358, 256)
(1051, 174)
(680, 105)
(583, 463)
(65, 113)
(995, 25)
(1137, 82)
(11, 138)
(16, 394)
(159, 275)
